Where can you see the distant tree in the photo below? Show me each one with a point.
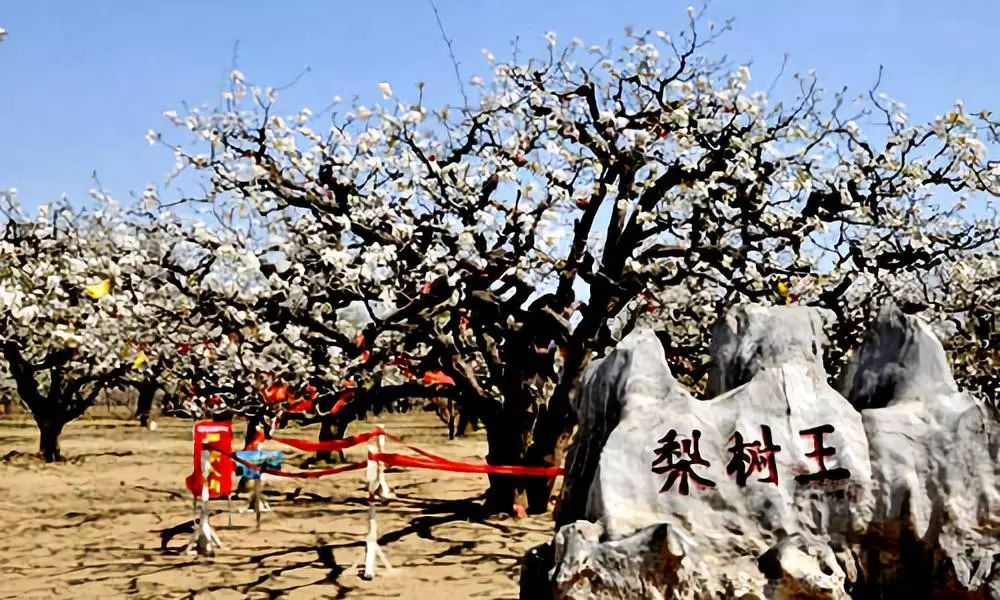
(84, 309)
(71, 299)
(511, 241)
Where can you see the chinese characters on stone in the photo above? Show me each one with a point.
(678, 459)
(681, 461)
(749, 458)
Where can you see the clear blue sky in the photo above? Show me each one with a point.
(81, 81)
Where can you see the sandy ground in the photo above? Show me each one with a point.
(92, 526)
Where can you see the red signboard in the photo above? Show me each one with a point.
(218, 439)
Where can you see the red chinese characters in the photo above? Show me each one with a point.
(819, 454)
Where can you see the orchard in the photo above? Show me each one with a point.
(477, 258)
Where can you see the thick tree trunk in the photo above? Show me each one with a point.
(144, 404)
(49, 430)
(518, 438)
(556, 421)
(550, 443)
(507, 434)
(506, 447)
(331, 428)
(511, 429)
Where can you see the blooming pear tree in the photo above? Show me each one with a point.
(247, 351)
(89, 306)
(500, 247)
(73, 301)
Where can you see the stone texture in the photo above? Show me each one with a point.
(802, 567)
(752, 337)
(934, 456)
(631, 369)
(643, 565)
(901, 360)
(919, 512)
(789, 398)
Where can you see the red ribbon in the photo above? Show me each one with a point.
(402, 460)
(311, 474)
(426, 460)
(425, 453)
(327, 446)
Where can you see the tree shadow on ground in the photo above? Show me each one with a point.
(18, 458)
(81, 458)
(428, 518)
(324, 560)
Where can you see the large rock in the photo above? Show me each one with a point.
(901, 360)
(934, 457)
(607, 386)
(770, 489)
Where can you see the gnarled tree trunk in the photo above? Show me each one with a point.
(144, 405)
(66, 398)
(556, 421)
(517, 438)
(506, 436)
(50, 427)
(331, 428)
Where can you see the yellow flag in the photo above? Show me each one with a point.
(139, 360)
(99, 290)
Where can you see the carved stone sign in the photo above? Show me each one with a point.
(778, 486)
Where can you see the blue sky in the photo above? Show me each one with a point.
(82, 81)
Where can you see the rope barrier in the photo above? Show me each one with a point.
(329, 445)
(374, 466)
(402, 460)
(427, 460)
(310, 474)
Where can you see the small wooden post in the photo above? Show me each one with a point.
(204, 540)
(384, 491)
(258, 504)
(372, 549)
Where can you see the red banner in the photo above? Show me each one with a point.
(217, 438)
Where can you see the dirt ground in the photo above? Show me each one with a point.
(93, 526)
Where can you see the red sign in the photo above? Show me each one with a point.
(218, 439)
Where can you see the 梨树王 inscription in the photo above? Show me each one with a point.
(681, 460)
